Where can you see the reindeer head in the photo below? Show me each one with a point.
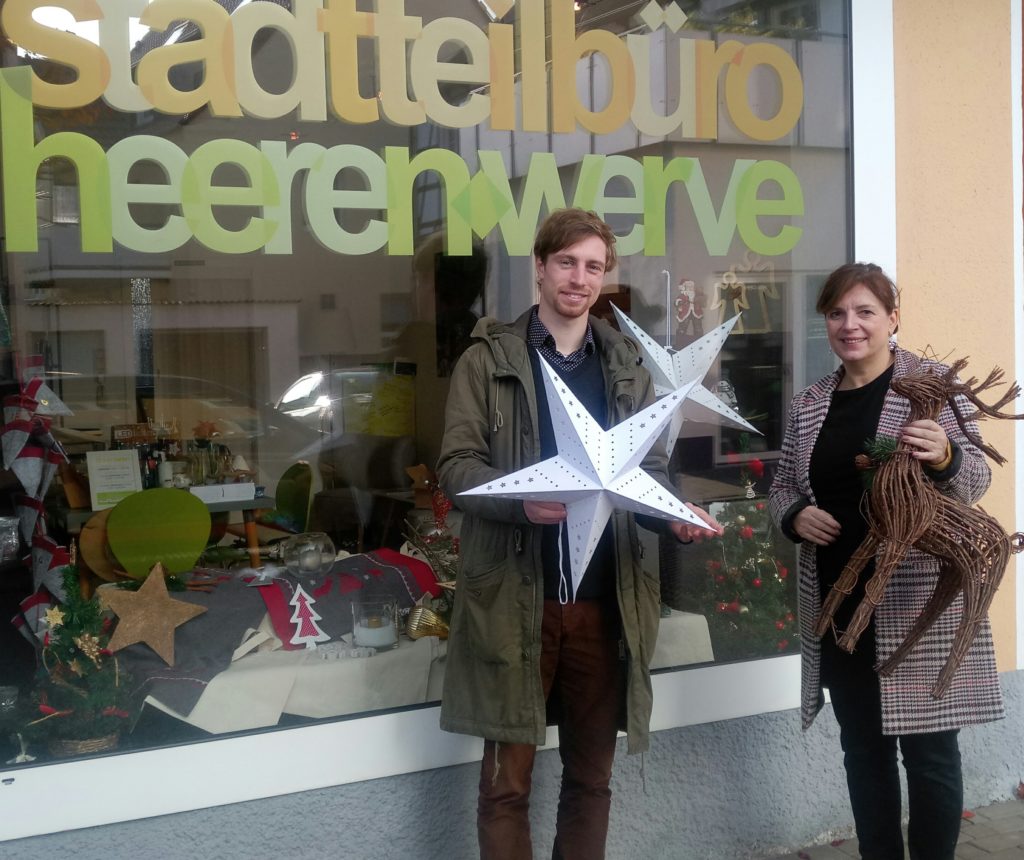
(926, 390)
(923, 386)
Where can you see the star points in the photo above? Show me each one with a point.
(596, 472)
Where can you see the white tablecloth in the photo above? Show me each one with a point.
(261, 685)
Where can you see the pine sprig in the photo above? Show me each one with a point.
(877, 451)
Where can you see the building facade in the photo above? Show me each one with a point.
(257, 234)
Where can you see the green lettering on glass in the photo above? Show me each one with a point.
(595, 174)
(199, 195)
(322, 199)
(21, 160)
(541, 184)
(750, 207)
(658, 176)
(401, 174)
(121, 157)
(716, 230)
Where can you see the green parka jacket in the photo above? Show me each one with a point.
(492, 685)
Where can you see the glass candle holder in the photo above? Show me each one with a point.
(375, 624)
(308, 554)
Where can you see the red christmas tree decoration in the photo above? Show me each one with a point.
(305, 617)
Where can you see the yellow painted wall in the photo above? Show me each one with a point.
(954, 212)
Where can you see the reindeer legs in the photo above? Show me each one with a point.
(845, 584)
(946, 589)
(995, 546)
(944, 541)
(889, 556)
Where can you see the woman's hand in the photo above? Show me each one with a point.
(687, 532)
(544, 513)
(816, 526)
(929, 440)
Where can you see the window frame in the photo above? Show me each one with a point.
(210, 773)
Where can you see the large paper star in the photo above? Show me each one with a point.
(596, 470)
(670, 370)
(149, 615)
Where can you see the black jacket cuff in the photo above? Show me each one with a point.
(787, 519)
(950, 471)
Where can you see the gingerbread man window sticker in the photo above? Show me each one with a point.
(734, 292)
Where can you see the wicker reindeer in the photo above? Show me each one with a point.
(906, 510)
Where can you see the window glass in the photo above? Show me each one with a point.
(234, 285)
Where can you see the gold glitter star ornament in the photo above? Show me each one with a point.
(54, 617)
(149, 615)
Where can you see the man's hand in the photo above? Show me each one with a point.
(687, 532)
(544, 513)
(815, 525)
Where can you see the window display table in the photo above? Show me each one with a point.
(71, 520)
(260, 686)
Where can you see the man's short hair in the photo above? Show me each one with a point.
(565, 227)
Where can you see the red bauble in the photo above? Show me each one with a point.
(746, 532)
(757, 582)
(780, 625)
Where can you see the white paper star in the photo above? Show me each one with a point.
(596, 471)
(670, 370)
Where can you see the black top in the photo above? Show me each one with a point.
(839, 489)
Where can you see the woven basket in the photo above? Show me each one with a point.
(65, 747)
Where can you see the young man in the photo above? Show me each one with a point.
(516, 653)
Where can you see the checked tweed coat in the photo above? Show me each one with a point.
(907, 704)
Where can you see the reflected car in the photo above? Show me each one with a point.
(373, 399)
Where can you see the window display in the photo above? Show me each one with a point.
(243, 277)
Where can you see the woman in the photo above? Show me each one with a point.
(816, 499)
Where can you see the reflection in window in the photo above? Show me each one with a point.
(272, 327)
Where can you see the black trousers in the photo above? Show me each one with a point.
(932, 763)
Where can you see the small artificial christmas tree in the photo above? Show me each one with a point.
(749, 598)
(81, 694)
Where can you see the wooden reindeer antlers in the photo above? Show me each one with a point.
(971, 389)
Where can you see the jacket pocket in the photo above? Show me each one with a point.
(492, 618)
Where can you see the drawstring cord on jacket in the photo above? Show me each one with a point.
(497, 765)
(499, 419)
(563, 585)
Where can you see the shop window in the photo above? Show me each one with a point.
(262, 308)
